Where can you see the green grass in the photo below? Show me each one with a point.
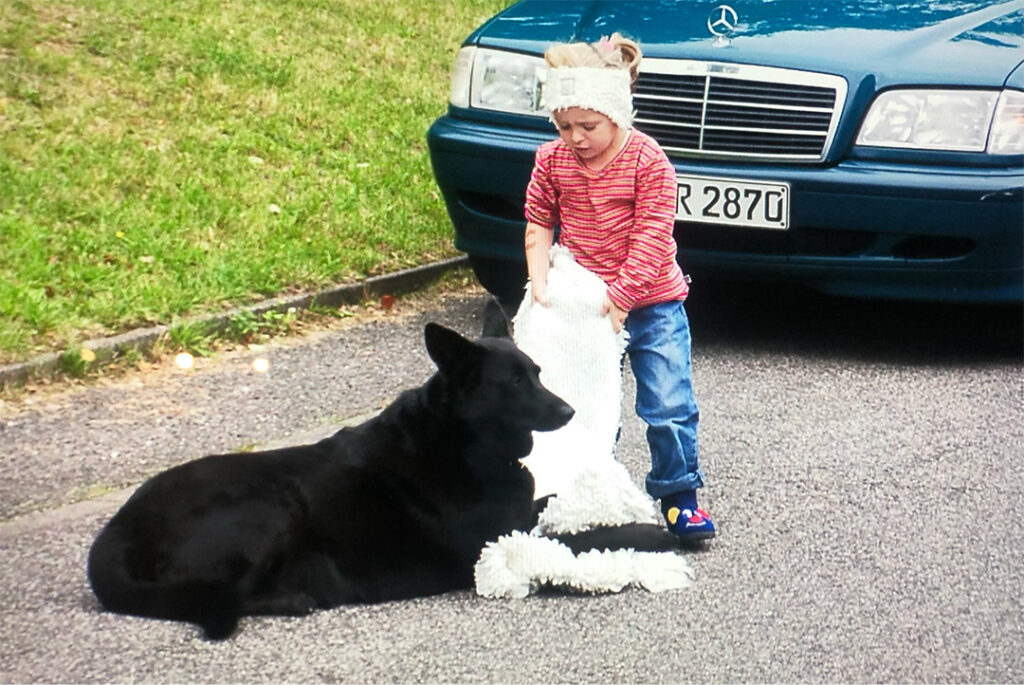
(163, 159)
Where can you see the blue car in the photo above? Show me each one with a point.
(865, 148)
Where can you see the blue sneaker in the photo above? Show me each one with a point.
(685, 519)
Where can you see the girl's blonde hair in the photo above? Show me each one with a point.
(614, 52)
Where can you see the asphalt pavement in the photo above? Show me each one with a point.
(864, 467)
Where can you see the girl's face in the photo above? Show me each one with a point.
(591, 135)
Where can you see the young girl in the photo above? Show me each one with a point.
(612, 190)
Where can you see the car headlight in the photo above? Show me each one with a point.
(957, 120)
(1007, 135)
(458, 94)
(497, 80)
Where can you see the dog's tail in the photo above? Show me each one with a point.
(214, 606)
(639, 537)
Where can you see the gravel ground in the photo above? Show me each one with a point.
(863, 464)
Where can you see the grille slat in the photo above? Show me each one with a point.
(674, 86)
(775, 93)
(688, 112)
(772, 114)
(726, 115)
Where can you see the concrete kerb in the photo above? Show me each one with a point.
(108, 349)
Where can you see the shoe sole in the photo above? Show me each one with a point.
(695, 537)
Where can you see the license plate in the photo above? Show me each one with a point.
(728, 201)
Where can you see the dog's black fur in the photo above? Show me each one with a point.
(399, 506)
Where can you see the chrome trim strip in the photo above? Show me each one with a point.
(703, 113)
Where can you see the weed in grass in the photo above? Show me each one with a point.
(248, 327)
(76, 362)
(132, 357)
(243, 327)
(195, 338)
(275, 322)
(330, 312)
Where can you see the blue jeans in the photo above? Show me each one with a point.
(659, 355)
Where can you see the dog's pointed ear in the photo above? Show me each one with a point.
(496, 323)
(445, 346)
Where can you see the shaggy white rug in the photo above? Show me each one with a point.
(580, 359)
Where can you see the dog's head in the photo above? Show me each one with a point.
(491, 380)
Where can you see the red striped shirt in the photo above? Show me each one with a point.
(617, 222)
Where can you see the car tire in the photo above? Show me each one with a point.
(503, 278)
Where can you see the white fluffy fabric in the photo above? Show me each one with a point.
(580, 359)
(520, 564)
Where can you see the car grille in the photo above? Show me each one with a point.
(709, 109)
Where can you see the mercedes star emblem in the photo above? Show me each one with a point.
(721, 23)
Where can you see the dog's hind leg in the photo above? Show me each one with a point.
(305, 583)
(126, 581)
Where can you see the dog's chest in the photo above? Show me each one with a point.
(475, 507)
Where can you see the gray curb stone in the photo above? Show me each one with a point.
(107, 349)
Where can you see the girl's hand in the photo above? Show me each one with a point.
(540, 292)
(617, 314)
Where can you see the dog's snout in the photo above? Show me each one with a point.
(559, 412)
(552, 413)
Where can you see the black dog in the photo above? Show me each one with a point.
(397, 507)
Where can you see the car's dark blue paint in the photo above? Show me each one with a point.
(867, 221)
(898, 42)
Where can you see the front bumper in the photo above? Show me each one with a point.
(859, 228)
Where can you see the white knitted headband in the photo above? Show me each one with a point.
(601, 89)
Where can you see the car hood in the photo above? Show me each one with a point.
(962, 42)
